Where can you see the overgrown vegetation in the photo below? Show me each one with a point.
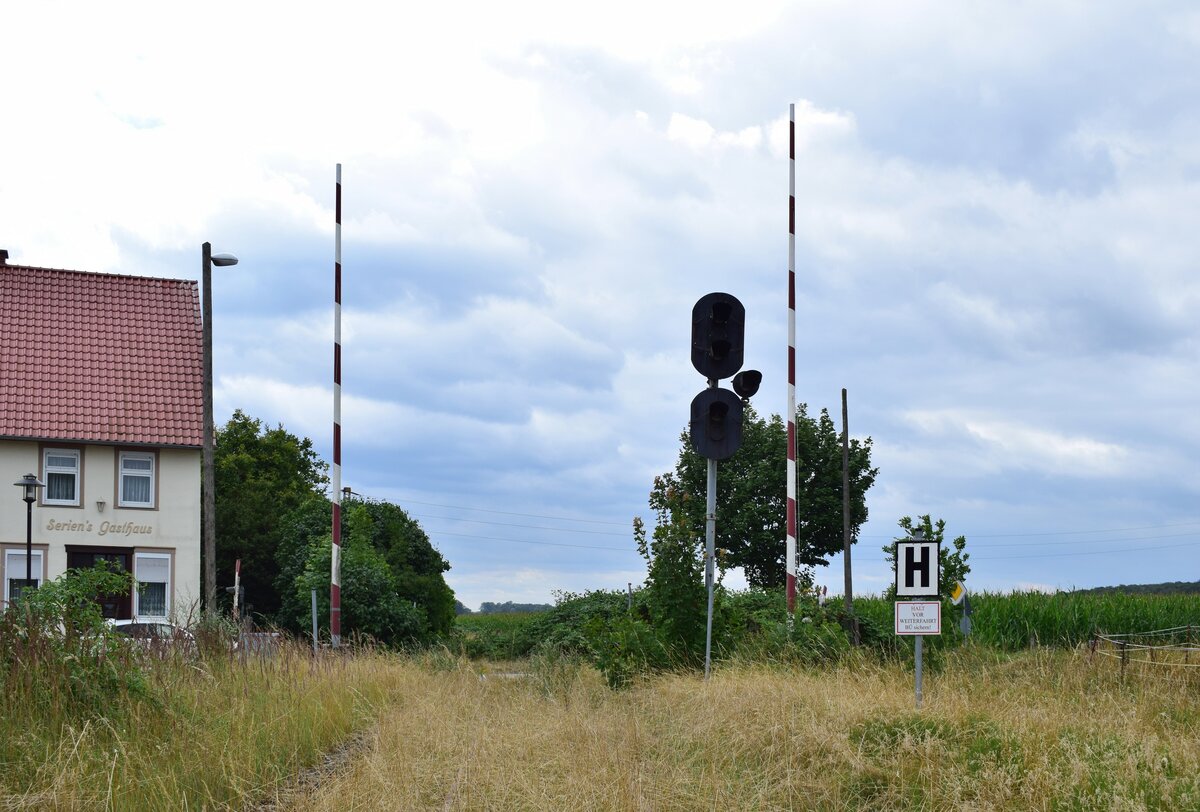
(1037, 730)
(750, 626)
(59, 658)
(618, 633)
(273, 514)
(791, 719)
(91, 720)
(1018, 620)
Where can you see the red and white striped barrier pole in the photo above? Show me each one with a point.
(790, 560)
(335, 576)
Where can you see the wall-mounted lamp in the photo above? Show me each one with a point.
(100, 505)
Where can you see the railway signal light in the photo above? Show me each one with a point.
(716, 425)
(718, 335)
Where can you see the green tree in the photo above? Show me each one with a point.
(308, 523)
(370, 602)
(413, 568)
(752, 496)
(414, 561)
(952, 560)
(675, 594)
(261, 476)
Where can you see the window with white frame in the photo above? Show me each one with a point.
(60, 467)
(136, 479)
(152, 595)
(14, 572)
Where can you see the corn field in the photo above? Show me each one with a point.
(1016, 620)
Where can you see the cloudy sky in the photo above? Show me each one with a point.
(998, 249)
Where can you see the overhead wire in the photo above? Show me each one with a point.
(542, 543)
(975, 556)
(523, 526)
(512, 513)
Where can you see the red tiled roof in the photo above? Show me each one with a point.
(98, 357)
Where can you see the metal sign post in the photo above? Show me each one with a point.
(917, 668)
(316, 636)
(237, 584)
(710, 544)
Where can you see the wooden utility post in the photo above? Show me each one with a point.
(849, 594)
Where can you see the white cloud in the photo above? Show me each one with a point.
(1034, 586)
(690, 131)
(698, 134)
(1005, 444)
(994, 236)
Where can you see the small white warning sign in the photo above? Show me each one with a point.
(918, 617)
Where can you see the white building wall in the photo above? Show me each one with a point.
(172, 525)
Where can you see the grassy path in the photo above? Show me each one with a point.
(1043, 729)
(1039, 730)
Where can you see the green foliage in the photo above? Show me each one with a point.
(371, 603)
(261, 475)
(489, 608)
(675, 594)
(305, 525)
(396, 554)
(57, 654)
(1017, 620)
(414, 561)
(752, 628)
(599, 627)
(576, 616)
(501, 636)
(752, 497)
(625, 643)
(627, 647)
(1020, 619)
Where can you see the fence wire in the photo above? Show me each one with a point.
(1177, 647)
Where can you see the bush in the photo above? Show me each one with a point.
(627, 647)
(565, 626)
(754, 627)
(371, 604)
(502, 636)
(58, 656)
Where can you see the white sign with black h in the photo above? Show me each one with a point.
(917, 563)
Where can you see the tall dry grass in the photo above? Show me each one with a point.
(210, 733)
(1036, 730)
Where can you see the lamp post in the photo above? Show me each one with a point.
(30, 483)
(208, 509)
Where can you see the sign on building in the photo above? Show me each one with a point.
(917, 563)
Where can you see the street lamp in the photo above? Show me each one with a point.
(208, 510)
(30, 483)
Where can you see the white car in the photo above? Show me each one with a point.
(156, 635)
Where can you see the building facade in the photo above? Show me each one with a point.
(101, 398)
